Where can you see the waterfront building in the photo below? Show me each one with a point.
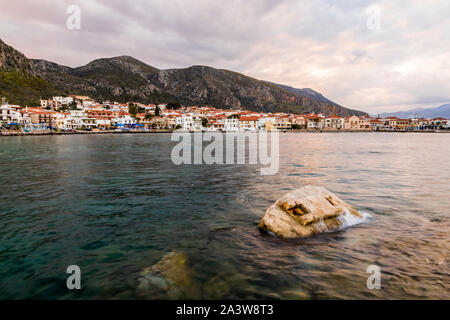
(9, 114)
(91, 114)
(123, 119)
(283, 123)
(299, 121)
(248, 123)
(334, 122)
(315, 121)
(351, 123)
(41, 116)
(215, 126)
(401, 124)
(88, 123)
(186, 122)
(364, 123)
(267, 123)
(376, 124)
(231, 124)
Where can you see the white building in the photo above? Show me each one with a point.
(63, 100)
(198, 123)
(123, 120)
(60, 121)
(24, 117)
(9, 114)
(316, 122)
(75, 119)
(334, 122)
(89, 123)
(44, 103)
(231, 125)
(185, 121)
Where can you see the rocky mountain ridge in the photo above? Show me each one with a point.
(125, 78)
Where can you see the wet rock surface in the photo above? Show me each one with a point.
(169, 278)
(307, 211)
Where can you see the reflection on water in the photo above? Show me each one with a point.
(115, 205)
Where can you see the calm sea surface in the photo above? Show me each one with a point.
(115, 205)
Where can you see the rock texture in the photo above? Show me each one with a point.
(19, 82)
(169, 278)
(307, 211)
(14, 60)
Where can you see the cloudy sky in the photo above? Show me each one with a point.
(375, 56)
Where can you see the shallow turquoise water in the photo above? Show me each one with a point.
(115, 204)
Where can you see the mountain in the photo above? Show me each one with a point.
(12, 59)
(125, 78)
(437, 112)
(307, 92)
(19, 83)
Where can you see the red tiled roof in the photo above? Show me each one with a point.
(249, 118)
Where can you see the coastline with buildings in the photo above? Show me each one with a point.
(82, 115)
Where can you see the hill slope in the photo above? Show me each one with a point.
(19, 82)
(127, 79)
(335, 108)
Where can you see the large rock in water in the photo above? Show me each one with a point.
(307, 211)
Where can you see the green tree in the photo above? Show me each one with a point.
(157, 111)
(204, 122)
(132, 109)
(73, 105)
(173, 105)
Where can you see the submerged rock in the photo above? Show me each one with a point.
(307, 211)
(169, 278)
(222, 285)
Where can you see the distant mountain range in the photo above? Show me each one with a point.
(25, 81)
(437, 112)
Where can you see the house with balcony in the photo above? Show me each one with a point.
(283, 123)
(248, 123)
(231, 124)
(42, 117)
(334, 122)
(186, 122)
(376, 124)
(123, 119)
(351, 123)
(299, 122)
(103, 117)
(9, 114)
(315, 121)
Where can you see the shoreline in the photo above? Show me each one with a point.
(21, 134)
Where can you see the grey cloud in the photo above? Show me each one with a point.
(324, 44)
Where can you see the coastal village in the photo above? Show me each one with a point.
(81, 114)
